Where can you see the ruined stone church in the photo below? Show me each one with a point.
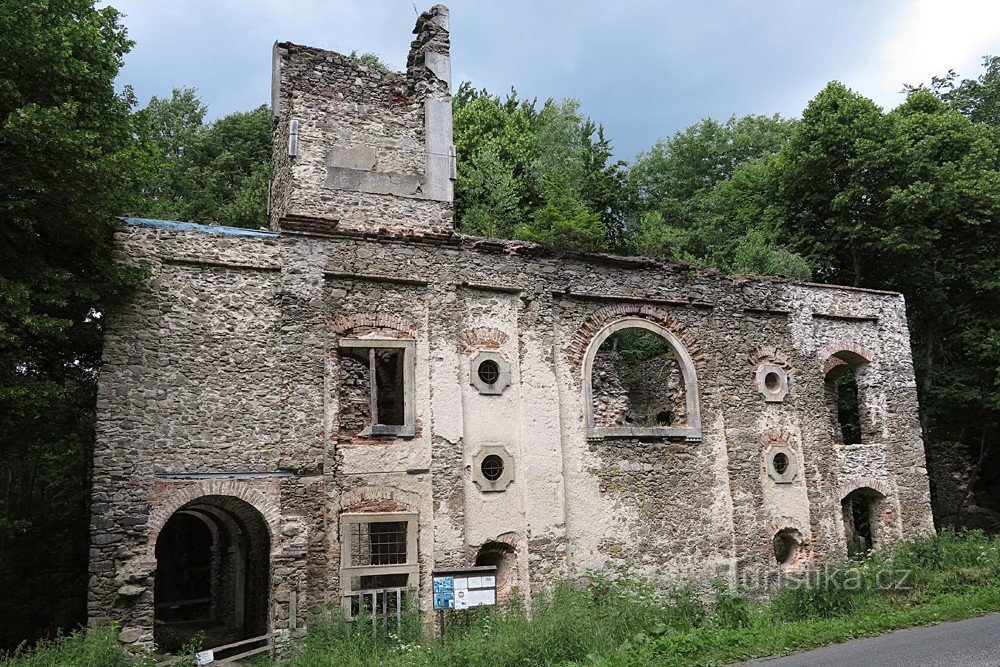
(326, 412)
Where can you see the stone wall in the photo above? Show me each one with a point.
(625, 394)
(679, 510)
(372, 149)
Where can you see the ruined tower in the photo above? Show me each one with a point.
(359, 149)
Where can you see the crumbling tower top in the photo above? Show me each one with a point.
(359, 149)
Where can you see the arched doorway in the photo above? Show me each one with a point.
(861, 509)
(212, 574)
(504, 558)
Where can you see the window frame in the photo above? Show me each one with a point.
(690, 432)
(348, 570)
(408, 427)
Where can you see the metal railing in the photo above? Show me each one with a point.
(380, 604)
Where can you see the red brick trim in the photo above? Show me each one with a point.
(162, 511)
(778, 437)
(783, 522)
(768, 354)
(852, 353)
(374, 499)
(482, 338)
(835, 365)
(577, 350)
(864, 483)
(509, 539)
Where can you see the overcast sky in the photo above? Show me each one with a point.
(643, 68)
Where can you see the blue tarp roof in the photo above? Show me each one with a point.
(194, 227)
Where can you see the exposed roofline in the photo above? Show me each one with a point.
(482, 244)
(173, 225)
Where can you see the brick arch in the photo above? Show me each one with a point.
(853, 485)
(768, 354)
(782, 522)
(482, 338)
(364, 323)
(598, 320)
(842, 355)
(376, 499)
(510, 539)
(228, 488)
(777, 436)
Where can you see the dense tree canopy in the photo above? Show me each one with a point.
(67, 165)
(706, 196)
(541, 173)
(198, 172)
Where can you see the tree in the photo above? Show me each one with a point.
(910, 201)
(66, 165)
(706, 196)
(977, 99)
(565, 223)
(216, 172)
(517, 158)
(943, 216)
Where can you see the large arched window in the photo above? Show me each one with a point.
(844, 368)
(640, 381)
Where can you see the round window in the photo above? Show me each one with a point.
(492, 467)
(489, 371)
(772, 382)
(780, 463)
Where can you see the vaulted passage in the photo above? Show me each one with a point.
(212, 574)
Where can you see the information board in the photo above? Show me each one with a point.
(465, 588)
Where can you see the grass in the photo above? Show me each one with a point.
(624, 620)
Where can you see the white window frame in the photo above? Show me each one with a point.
(348, 569)
(692, 429)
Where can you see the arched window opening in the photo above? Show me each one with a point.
(842, 392)
(212, 574)
(640, 381)
(786, 544)
(504, 558)
(860, 511)
(846, 371)
(637, 382)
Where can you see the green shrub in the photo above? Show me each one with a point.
(731, 608)
(824, 592)
(95, 647)
(624, 619)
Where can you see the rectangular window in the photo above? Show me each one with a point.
(376, 387)
(382, 543)
(378, 561)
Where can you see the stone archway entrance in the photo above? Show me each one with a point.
(861, 509)
(212, 574)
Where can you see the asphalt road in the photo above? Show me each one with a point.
(971, 643)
